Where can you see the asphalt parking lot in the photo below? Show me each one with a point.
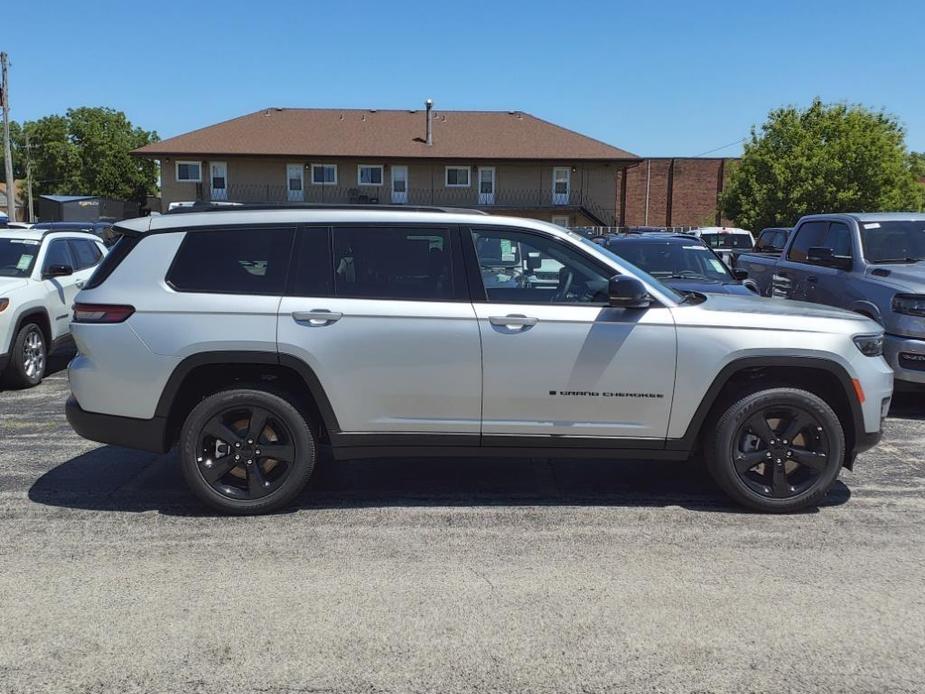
(451, 576)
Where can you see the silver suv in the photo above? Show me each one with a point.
(248, 338)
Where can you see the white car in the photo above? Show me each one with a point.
(728, 242)
(41, 272)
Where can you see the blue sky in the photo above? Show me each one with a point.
(656, 78)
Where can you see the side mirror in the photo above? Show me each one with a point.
(627, 292)
(740, 274)
(534, 261)
(58, 271)
(819, 255)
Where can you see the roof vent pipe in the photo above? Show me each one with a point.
(430, 129)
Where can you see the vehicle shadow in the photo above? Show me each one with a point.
(57, 362)
(121, 480)
(908, 404)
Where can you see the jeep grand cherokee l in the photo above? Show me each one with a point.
(249, 337)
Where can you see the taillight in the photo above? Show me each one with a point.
(101, 313)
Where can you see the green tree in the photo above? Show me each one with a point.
(87, 152)
(826, 158)
(917, 162)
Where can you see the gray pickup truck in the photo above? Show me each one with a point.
(873, 264)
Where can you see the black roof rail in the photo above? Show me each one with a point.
(248, 207)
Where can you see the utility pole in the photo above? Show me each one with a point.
(31, 210)
(7, 153)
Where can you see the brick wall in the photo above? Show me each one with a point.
(682, 192)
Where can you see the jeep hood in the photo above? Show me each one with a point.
(8, 284)
(776, 307)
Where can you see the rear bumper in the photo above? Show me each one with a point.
(906, 356)
(143, 434)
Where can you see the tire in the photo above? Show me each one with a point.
(224, 451)
(786, 476)
(28, 358)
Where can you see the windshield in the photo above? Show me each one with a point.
(893, 242)
(640, 273)
(673, 260)
(727, 240)
(17, 256)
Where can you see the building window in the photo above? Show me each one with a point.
(560, 219)
(324, 174)
(561, 185)
(457, 176)
(369, 174)
(295, 174)
(189, 172)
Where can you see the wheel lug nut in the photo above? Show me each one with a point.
(257, 452)
(237, 457)
(250, 441)
(250, 462)
(785, 442)
(237, 444)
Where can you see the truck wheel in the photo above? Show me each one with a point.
(777, 450)
(28, 358)
(246, 451)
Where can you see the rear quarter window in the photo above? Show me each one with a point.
(246, 260)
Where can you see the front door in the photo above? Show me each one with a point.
(60, 291)
(399, 185)
(218, 176)
(557, 360)
(791, 276)
(388, 327)
(561, 185)
(486, 185)
(295, 182)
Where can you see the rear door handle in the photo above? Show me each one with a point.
(317, 317)
(513, 321)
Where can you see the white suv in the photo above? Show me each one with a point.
(41, 272)
(249, 337)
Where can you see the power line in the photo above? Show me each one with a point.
(737, 142)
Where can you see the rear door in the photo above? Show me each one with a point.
(557, 360)
(381, 313)
(792, 272)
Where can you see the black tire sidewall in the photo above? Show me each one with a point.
(722, 465)
(304, 441)
(16, 369)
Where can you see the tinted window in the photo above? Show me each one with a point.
(667, 260)
(807, 236)
(886, 242)
(392, 263)
(234, 261)
(116, 255)
(17, 256)
(771, 241)
(727, 240)
(312, 271)
(85, 253)
(58, 254)
(518, 267)
(838, 239)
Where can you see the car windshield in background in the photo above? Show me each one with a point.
(727, 240)
(640, 273)
(673, 260)
(893, 242)
(17, 256)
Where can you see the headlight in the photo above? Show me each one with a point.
(870, 345)
(910, 304)
(3, 304)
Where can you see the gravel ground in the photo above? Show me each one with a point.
(451, 576)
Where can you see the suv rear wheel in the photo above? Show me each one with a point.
(777, 450)
(28, 358)
(246, 451)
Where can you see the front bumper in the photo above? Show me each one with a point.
(906, 356)
(143, 434)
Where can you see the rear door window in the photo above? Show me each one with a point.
(312, 271)
(58, 254)
(245, 260)
(85, 252)
(393, 263)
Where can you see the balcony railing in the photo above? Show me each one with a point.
(505, 199)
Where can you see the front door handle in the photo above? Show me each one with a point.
(317, 317)
(513, 321)
(80, 284)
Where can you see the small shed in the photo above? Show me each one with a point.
(84, 208)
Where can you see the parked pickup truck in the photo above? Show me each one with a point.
(873, 264)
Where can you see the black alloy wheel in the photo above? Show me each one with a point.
(247, 450)
(780, 452)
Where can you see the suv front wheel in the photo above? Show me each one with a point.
(246, 451)
(28, 358)
(777, 450)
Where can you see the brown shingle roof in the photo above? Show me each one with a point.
(367, 133)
